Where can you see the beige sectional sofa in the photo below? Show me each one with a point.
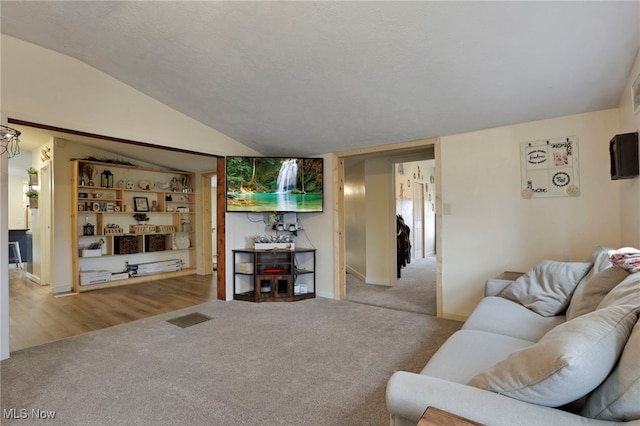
(558, 346)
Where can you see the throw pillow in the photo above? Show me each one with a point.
(547, 287)
(617, 399)
(567, 363)
(594, 290)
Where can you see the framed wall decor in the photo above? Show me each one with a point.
(550, 168)
(141, 204)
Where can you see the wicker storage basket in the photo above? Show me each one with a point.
(126, 244)
(142, 229)
(113, 231)
(165, 228)
(155, 242)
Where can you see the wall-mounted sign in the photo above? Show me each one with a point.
(549, 168)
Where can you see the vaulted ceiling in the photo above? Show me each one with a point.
(303, 78)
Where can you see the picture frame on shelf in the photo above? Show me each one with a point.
(141, 204)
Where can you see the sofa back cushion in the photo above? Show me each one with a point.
(625, 293)
(590, 293)
(567, 363)
(547, 287)
(618, 398)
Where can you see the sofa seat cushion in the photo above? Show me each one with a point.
(502, 316)
(468, 352)
(547, 287)
(618, 398)
(567, 363)
(594, 290)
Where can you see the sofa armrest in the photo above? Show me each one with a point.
(409, 394)
(494, 286)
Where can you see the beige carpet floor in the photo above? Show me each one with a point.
(315, 362)
(415, 291)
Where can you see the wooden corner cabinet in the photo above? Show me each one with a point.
(274, 275)
(111, 247)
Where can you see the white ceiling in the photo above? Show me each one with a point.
(302, 78)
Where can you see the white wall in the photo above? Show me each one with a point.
(380, 219)
(17, 201)
(355, 214)
(42, 86)
(317, 233)
(630, 188)
(492, 229)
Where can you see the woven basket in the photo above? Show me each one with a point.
(165, 228)
(142, 229)
(113, 231)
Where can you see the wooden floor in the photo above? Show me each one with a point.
(37, 316)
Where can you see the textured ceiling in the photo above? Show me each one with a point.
(302, 78)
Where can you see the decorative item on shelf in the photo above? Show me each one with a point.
(274, 242)
(174, 185)
(90, 171)
(94, 249)
(168, 197)
(33, 176)
(142, 229)
(165, 228)
(96, 194)
(163, 185)
(113, 229)
(32, 194)
(130, 185)
(154, 206)
(185, 185)
(121, 184)
(88, 228)
(106, 179)
(9, 141)
(141, 217)
(182, 242)
(141, 204)
(146, 184)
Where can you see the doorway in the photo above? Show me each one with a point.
(395, 153)
(209, 222)
(60, 140)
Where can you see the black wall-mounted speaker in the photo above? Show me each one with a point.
(623, 151)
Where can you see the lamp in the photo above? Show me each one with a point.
(9, 142)
(106, 179)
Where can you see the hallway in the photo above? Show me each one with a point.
(414, 292)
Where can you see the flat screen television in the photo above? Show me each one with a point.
(274, 184)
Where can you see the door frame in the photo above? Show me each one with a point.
(402, 148)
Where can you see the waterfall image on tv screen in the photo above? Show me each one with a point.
(270, 184)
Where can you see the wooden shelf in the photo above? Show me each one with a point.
(115, 206)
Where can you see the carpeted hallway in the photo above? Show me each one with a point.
(415, 291)
(317, 362)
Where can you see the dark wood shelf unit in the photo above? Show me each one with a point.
(274, 275)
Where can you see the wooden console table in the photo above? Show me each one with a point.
(435, 417)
